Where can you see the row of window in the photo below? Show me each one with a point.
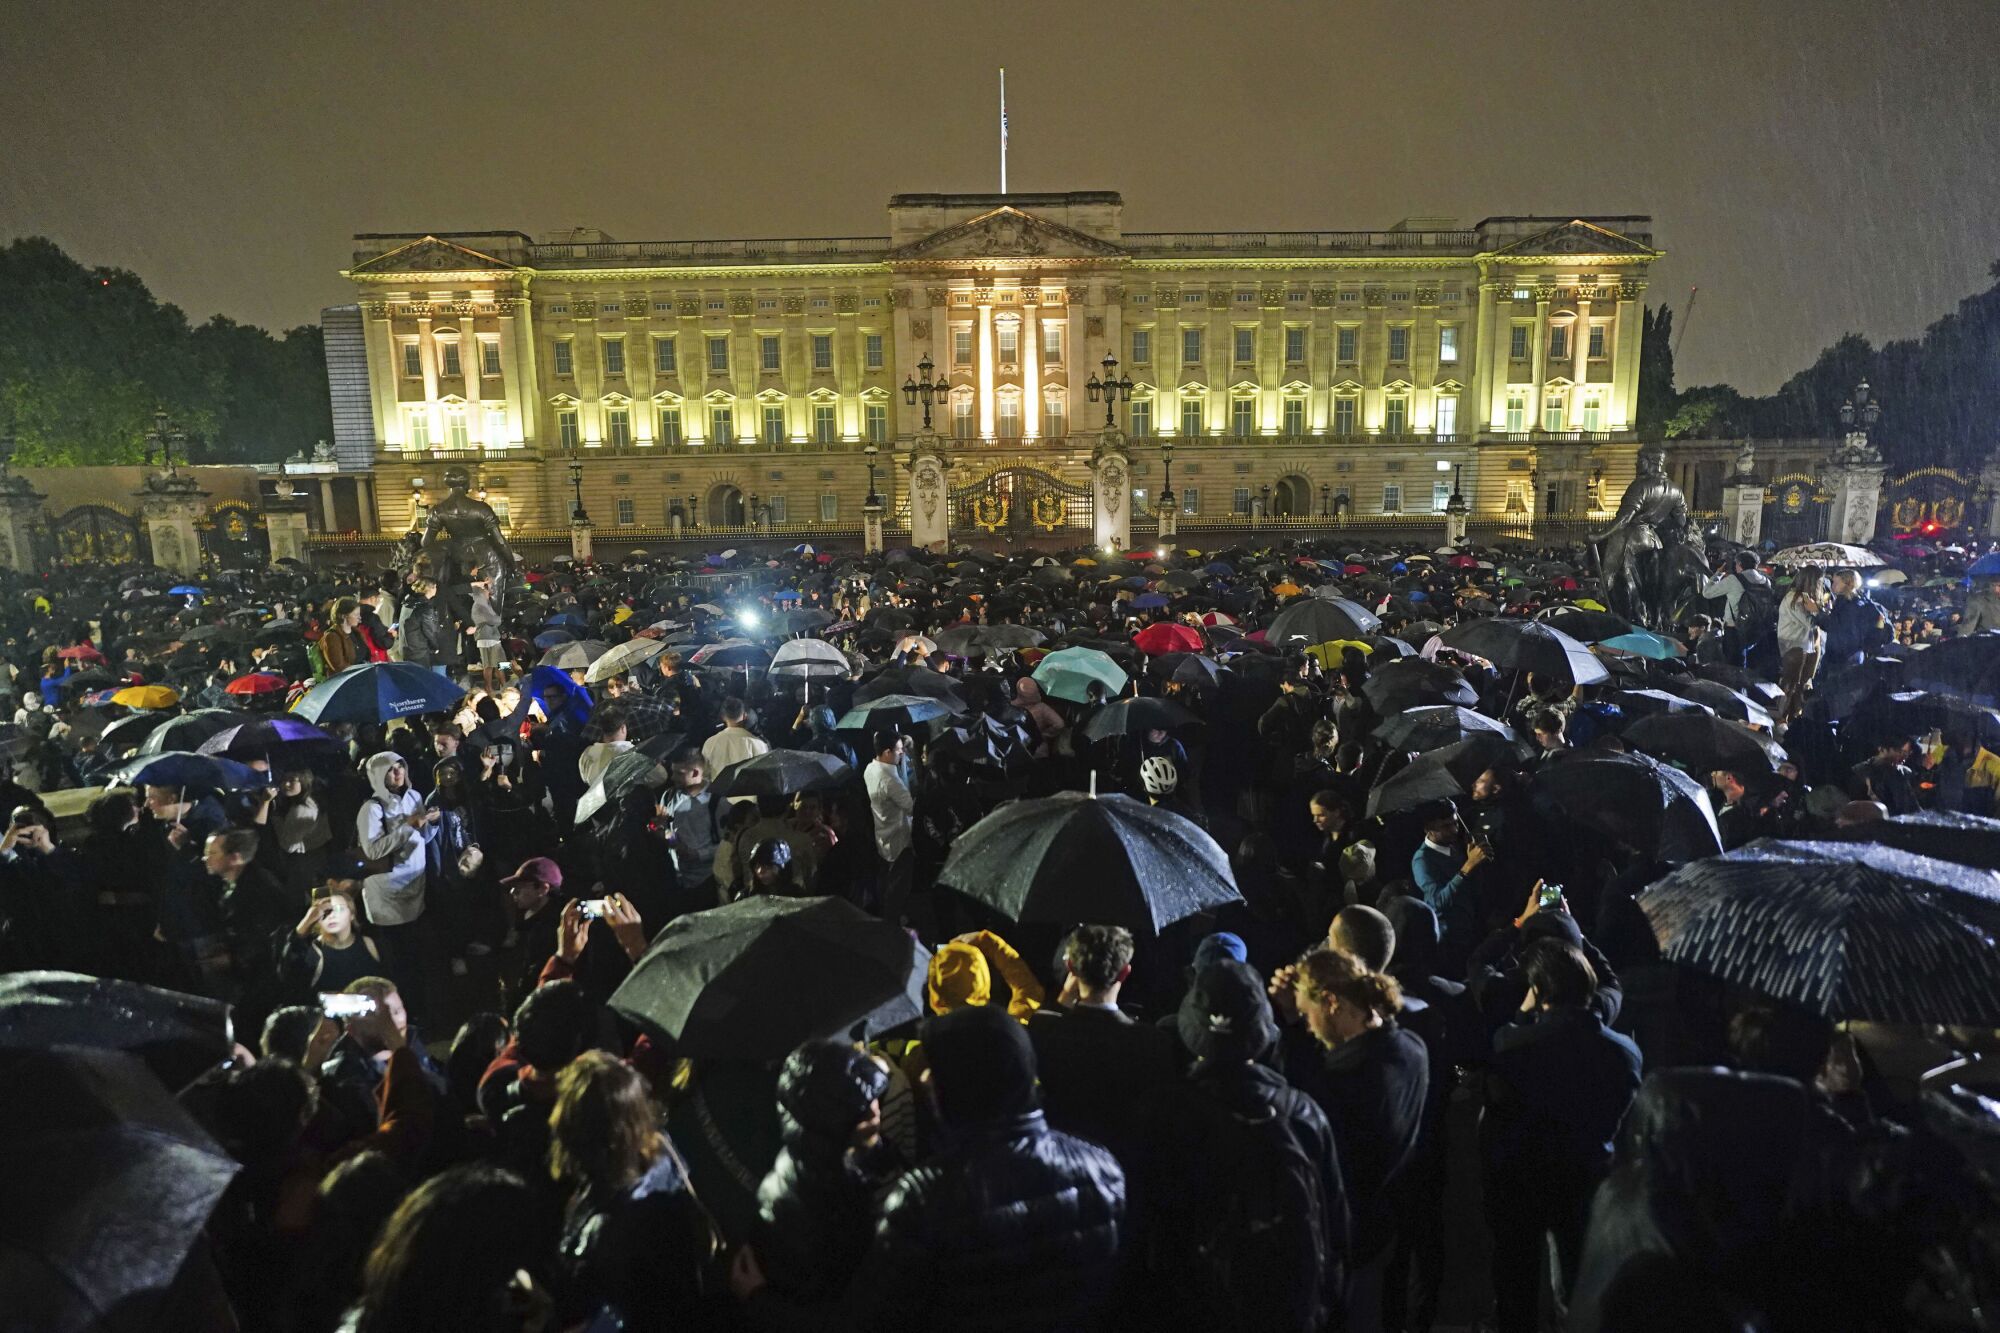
(450, 362)
(1007, 344)
(670, 428)
(1347, 345)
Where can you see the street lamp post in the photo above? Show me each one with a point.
(1111, 388)
(1325, 500)
(163, 440)
(577, 513)
(1169, 506)
(1456, 510)
(872, 449)
(926, 391)
(871, 508)
(1264, 501)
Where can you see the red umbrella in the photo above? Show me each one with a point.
(81, 652)
(257, 682)
(1566, 584)
(1167, 638)
(1462, 562)
(1357, 569)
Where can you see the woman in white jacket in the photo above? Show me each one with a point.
(1800, 639)
(393, 826)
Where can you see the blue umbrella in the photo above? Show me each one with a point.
(788, 595)
(1985, 564)
(1067, 673)
(377, 692)
(201, 772)
(550, 638)
(186, 590)
(569, 618)
(1134, 582)
(1219, 567)
(1645, 643)
(1151, 601)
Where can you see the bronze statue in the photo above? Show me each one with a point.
(1650, 556)
(462, 541)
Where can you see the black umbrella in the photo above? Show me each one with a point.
(189, 730)
(1703, 743)
(129, 732)
(963, 639)
(1845, 931)
(1527, 645)
(1913, 712)
(1444, 774)
(1136, 717)
(179, 1036)
(780, 773)
(1968, 666)
(628, 771)
(1658, 810)
(1588, 626)
(1072, 857)
(1412, 682)
(271, 738)
(1321, 620)
(1732, 704)
(110, 1183)
(920, 681)
(1649, 703)
(889, 617)
(1436, 726)
(895, 712)
(753, 980)
(1970, 840)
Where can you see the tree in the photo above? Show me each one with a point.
(274, 392)
(1656, 368)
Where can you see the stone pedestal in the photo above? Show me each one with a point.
(169, 504)
(580, 530)
(1170, 522)
(20, 506)
(286, 524)
(1111, 487)
(1457, 513)
(1743, 510)
(675, 523)
(871, 529)
(1854, 476)
(930, 499)
(1989, 482)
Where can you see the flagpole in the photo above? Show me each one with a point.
(1003, 129)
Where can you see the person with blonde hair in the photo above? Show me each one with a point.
(636, 1244)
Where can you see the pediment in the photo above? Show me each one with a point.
(1577, 237)
(431, 255)
(771, 396)
(564, 400)
(1294, 387)
(1349, 385)
(1194, 387)
(1243, 387)
(616, 399)
(1559, 382)
(1399, 386)
(1449, 386)
(666, 397)
(1007, 233)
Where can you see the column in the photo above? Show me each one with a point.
(1499, 369)
(469, 359)
(1540, 352)
(328, 521)
(1625, 357)
(1743, 499)
(1482, 341)
(985, 365)
(871, 529)
(384, 372)
(285, 522)
(1110, 472)
(1579, 364)
(1031, 366)
(930, 508)
(427, 352)
(580, 544)
(1856, 475)
(20, 506)
(519, 413)
(168, 506)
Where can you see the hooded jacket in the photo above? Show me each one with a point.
(961, 974)
(393, 896)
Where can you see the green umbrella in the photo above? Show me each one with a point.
(1067, 673)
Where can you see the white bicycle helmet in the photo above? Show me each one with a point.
(1159, 776)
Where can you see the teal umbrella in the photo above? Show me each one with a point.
(1067, 673)
(1645, 643)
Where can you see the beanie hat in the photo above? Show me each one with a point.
(1221, 947)
(825, 1087)
(958, 977)
(982, 1065)
(1227, 1014)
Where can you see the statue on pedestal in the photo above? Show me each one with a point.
(462, 541)
(1650, 556)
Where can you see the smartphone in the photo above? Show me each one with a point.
(593, 909)
(24, 816)
(1551, 897)
(346, 1006)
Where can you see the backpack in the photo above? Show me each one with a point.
(1757, 603)
(1260, 1258)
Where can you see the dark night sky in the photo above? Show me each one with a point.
(1815, 166)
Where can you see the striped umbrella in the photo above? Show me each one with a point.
(1845, 931)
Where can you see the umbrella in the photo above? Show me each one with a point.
(1914, 712)
(1186, 668)
(1443, 774)
(897, 712)
(146, 697)
(889, 618)
(1645, 643)
(998, 638)
(187, 590)
(179, 1036)
(780, 773)
(127, 732)
(110, 1184)
(628, 771)
(269, 738)
(1320, 619)
(1970, 840)
(1588, 626)
(1527, 645)
(1155, 640)
(574, 655)
(984, 742)
(1074, 857)
(1411, 682)
(1845, 931)
(1660, 811)
(257, 682)
(1703, 743)
(1968, 666)
(729, 982)
(809, 658)
(920, 681)
(1136, 717)
(617, 661)
(189, 730)
(921, 642)
(81, 652)
(730, 653)
(1437, 725)
(197, 772)
(801, 620)
(378, 692)
(1068, 672)
(1836, 554)
(1732, 704)
(1645, 703)
(550, 639)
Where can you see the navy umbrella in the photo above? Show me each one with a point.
(191, 772)
(378, 692)
(1649, 806)
(270, 738)
(1321, 620)
(753, 980)
(1437, 725)
(1073, 857)
(1412, 682)
(1527, 645)
(1843, 930)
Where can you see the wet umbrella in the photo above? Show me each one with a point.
(1703, 743)
(1968, 666)
(621, 659)
(1075, 857)
(1647, 703)
(727, 982)
(146, 697)
(1732, 704)
(1185, 668)
(191, 772)
(271, 738)
(889, 618)
(1437, 726)
(1970, 840)
(1837, 555)
(1155, 640)
(1527, 645)
(1412, 682)
(898, 712)
(378, 692)
(801, 620)
(780, 773)
(128, 732)
(1444, 774)
(628, 771)
(574, 656)
(920, 681)
(550, 639)
(81, 652)
(257, 683)
(1644, 643)
(809, 659)
(110, 1183)
(1319, 620)
(1655, 809)
(730, 653)
(984, 742)
(179, 1036)
(1068, 673)
(1914, 712)
(1136, 717)
(189, 730)
(1842, 930)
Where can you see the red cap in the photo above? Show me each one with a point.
(538, 868)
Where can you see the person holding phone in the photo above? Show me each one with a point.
(325, 952)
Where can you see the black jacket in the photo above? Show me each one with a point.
(1373, 1090)
(421, 632)
(815, 1216)
(642, 1255)
(1098, 1071)
(1560, 1085)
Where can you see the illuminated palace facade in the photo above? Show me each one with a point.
(1299, 378)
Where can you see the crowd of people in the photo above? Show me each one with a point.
(1435, 1065)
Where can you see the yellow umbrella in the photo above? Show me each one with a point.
(1286, 589)
(1085, 561)
(1334, 651)
(1588, 604)
(146, 696)
(621, 615)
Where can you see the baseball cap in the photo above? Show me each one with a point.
(538, 868)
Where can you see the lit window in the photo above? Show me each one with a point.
(872, 350)
(496, 428)
(1295, 346)
(875, 418)
(1396, 416)
(1191, 416)
(1392, 497)
(718, 355)
(1246, 346)
(1522, 294)
(1597, 342)
(566, 428)
(774, 424)
(1010, 343)
(768, 352)
(822, 351)
(1009, 418)
(1350, 344)
(451, 362)
(961, 416)
(1295, 416)
(1399, 343)
(1141, 416)
(1448, 344)
(1191, 347)
(1517, 413)
(618, 427)
(1552, 414)
(1440, 496)
(666, 360)
(1052, 340)
(454, 429)
(961, 347)
(1052, 415)
(413, 360)
(721, 424)
(826, 423)
(489, 357)
(1142, 347)
(1343, 414)
(670, 425)
(1243, 417)
(1447, 414)
(565, 365)
(1593, 414)
(418, 433)
(1517, 342)
(614, 356)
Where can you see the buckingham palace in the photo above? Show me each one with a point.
(1014, 365)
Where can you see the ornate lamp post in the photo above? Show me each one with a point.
(1859, 413)
(1325, 500)
(1264, 501)
(163, 440)
(1168, 510)
(1111, 388)
(872, 507)
(1456, 510)
(577, 513)
(872, 450)
(1854, 474)
(926, 391)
